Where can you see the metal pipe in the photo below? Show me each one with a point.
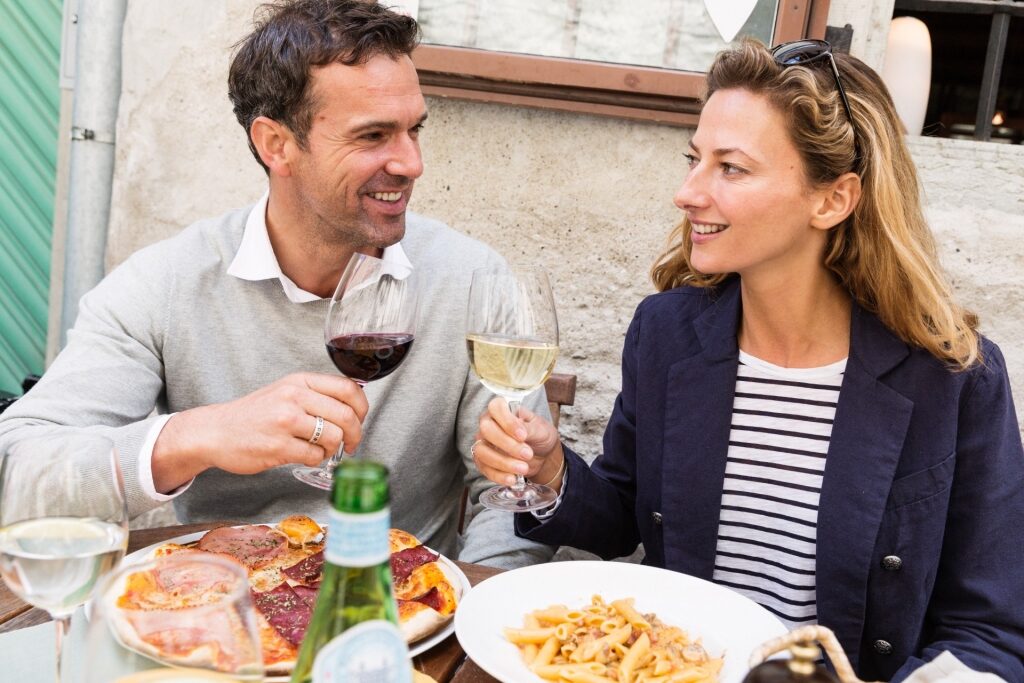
(96, 95)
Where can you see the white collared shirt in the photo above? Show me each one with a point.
(255, 260)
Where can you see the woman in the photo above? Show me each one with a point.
(805, 415)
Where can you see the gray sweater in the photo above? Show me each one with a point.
(170, 330)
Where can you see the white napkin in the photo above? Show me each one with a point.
(946, 668)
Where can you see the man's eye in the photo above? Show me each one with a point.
(373, 136)
(415, 130)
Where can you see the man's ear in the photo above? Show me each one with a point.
(838, 201)
(272, 140)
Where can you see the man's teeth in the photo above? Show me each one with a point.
(386, 196)
(708, 229)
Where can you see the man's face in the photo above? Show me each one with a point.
(362, 155)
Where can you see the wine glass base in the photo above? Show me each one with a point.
(530, 497)
(320, 477)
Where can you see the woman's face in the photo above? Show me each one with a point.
(746, 195)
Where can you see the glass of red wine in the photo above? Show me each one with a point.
(370, 327)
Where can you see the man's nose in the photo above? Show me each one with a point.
(406, 159)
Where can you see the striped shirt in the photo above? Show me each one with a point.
(767, 532)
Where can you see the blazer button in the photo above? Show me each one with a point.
(892, 563)
(656, 516)
(883, 647)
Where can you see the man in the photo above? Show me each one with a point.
(220, 327)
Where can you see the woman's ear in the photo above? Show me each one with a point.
(838, 201)
(271, 139)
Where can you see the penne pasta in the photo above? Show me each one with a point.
(523, 636)
(613, 642)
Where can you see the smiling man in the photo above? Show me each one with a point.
(220, 328)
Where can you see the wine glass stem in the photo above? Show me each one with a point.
(520, 484)
(332, 462)
(62, 624)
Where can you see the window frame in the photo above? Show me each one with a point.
(619, 90)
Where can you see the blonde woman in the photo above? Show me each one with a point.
(806, 415)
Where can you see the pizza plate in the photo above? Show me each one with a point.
(415, 649)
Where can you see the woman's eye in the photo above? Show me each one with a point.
(729, 169)
(691, 160)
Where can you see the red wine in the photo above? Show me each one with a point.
(365, 357)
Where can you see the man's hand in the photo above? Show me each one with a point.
(269, 427)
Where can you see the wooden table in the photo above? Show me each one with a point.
(446, 662)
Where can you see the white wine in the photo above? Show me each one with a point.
(53, 562)
(509, 366)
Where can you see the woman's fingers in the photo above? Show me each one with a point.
(496, 465)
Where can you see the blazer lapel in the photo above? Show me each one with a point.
(698, 409)
(867, 437)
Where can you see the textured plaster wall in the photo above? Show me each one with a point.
(588, 198)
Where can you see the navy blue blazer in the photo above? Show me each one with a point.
(924, 465)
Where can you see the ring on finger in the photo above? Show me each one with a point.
(472, 449)
(318, 430)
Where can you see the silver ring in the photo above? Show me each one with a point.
(472, 449)
(317, 431)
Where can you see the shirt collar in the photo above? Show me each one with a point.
(255, 259)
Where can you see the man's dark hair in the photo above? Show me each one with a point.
(270, 72)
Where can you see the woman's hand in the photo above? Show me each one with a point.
(508, 445)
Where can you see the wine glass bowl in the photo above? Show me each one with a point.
(189, 611)
(369, 331)
(512, 340)
(63, 521)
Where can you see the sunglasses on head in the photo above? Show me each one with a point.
(807, 53)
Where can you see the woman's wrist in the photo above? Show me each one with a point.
(553, 470)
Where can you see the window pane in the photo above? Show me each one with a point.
(675, 34)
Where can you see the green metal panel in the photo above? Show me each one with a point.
(30, 32)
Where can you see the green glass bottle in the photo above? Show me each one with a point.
(353, 635)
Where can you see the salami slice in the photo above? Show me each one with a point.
(405, 561)
(285, 610)
(307, 593)
(306, 571)
(433, 599)
(253, 545)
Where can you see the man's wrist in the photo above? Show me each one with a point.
(177, 460)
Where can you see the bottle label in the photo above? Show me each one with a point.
(358, 540)
(371, 652)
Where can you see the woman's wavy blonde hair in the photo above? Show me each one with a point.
(884, 252)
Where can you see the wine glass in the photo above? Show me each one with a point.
(187, 616)
(370, 327)
(512, 337)
(63, 521)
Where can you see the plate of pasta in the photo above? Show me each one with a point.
(610, 621)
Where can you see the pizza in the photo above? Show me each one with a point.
(284, 564)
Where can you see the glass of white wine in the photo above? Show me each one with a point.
(512, 337)
(63, 521)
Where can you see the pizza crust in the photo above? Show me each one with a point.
(417, 621)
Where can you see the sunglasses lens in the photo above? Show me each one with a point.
(799, 52)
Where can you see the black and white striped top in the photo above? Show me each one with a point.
(781, 427)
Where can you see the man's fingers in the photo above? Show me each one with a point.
(340, 389)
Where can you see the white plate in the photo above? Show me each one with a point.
(417, 648)
(725, 621)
